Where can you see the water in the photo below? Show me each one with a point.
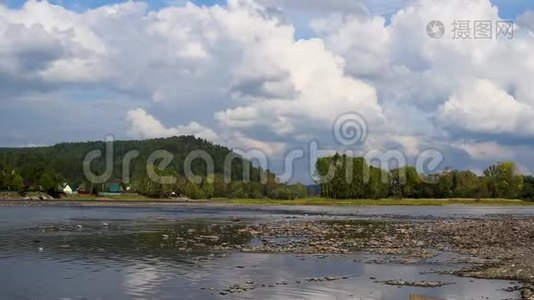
(45, 255)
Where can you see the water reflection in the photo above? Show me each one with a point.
(142, 279)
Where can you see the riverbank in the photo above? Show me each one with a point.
(377, 202)
(14, 199)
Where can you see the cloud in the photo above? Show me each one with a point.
(146, 126)
(269, 82)
(455, 82)
(488, 151)
(322, 91)
(475, 109)
(352, 6)
(526, 20)
(239, 75)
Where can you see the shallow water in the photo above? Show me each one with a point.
(44, 254)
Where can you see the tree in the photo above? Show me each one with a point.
(466, 184)
(504, 180)
(528, 188)
(66, 161)
(361, 177)
(17, 183)
(445, 184)
(404, 182)
(377, 186)
(409, 189)
(193, 191)
(49, 182)
(207, 189)
(324, 167)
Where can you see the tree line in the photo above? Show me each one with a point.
(46, 169)
(344, 177)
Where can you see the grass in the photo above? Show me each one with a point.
(377, 202)
(303, 201)
(84, 197)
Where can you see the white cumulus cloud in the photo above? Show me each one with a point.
(239, 75)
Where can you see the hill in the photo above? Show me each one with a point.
(44, 168)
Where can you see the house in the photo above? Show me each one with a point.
(112, 189)
(67, 189)
(70, 189)
(115, 188)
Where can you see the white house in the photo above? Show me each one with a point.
(67, 189)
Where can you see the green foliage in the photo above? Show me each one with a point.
(10, 180)
(17, 183)
(289, 192)
(504, 180)
(528, 188)
(49, 182)
(46, 168)
(342, 177)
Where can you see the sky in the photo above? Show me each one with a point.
(273, 75)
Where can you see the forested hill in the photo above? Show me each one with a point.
(66, 158)
(42, 167)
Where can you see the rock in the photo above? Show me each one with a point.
(330, 278)
(429, 284)
(211, 238)
(527, 293)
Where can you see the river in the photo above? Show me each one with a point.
(56, 252)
